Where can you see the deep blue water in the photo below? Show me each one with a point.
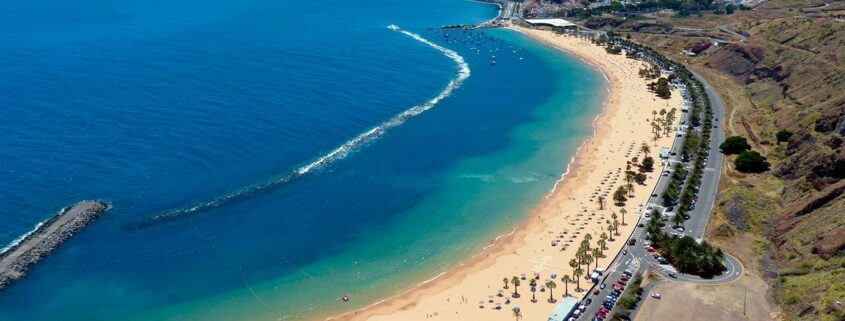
(158, 105)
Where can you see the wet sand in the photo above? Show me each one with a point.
(569, 212)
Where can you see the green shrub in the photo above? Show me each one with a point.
(783, 135)
(734, 145)
(751, 162)
(629, 301)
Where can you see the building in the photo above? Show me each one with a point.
(664, 152)
(564, 310)
(551, 23)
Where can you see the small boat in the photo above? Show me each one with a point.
(345, 298)
(493, 63)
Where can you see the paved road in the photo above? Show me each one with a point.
(637, 259)
(725, 28)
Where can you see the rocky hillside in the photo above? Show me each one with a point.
(779, 67)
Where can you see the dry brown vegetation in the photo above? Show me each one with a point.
(788, 75)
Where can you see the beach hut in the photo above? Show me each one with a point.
(564, 309)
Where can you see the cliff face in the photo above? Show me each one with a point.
(788, 75)
(792, 70)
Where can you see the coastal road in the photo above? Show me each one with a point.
(637, 260)
(700, 215)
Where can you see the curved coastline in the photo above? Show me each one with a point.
(577, 170)
(503, 243)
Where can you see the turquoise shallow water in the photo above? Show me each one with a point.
(160, 106)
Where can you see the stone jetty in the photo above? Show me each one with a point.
(16, 260)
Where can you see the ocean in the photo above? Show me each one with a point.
(264, 158)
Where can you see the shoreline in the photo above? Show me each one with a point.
(414, 302)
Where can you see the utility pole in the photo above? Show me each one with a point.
(744, 303)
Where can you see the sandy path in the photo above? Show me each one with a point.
(598, 168)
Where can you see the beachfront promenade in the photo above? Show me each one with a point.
(17, 259)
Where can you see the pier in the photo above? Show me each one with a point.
(39, 243)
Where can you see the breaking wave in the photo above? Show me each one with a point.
(338, 153)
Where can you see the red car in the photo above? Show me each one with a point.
(650, 249)
(624, 278)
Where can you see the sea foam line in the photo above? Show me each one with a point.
(463, 72)
(22, 237)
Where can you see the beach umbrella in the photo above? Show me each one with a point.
(515, 309)
(554, 275)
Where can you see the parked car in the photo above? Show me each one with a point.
(650, 249)
(655, 295)
(673, 275)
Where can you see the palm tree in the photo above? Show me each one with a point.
(551, 285)
(645, 149)
(506, 282)
(619, 196)
(533, 284)
(623, 212)
(515, 282)
(587, 239)
(597, 255)
(616, 227)
(610, 229)
(653, 114)
(578, 273)
(677, 220)
(588, 259)
(573, 263)
(602, 243)
(517, 314)
(601, 202)
(566, 279)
